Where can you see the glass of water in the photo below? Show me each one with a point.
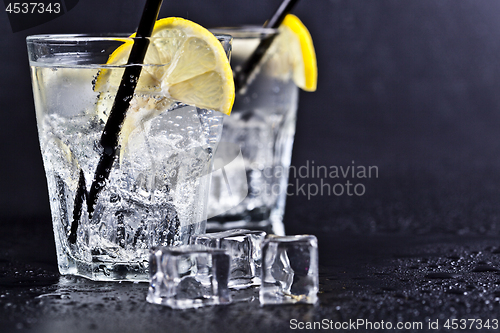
(157, 189)
(262, 125)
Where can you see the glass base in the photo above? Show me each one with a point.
(111, 262)
(106, 271)
(186, 303)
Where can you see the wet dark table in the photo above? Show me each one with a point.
(375, 278)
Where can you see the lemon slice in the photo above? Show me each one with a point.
(296, 43)
(184, 63)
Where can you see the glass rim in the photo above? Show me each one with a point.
(113, 37)
(245, 31)
(90, 49)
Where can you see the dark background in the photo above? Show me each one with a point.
(409, 86)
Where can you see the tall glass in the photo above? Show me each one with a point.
(158, 185)
(262, 124)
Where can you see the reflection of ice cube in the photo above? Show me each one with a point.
(244, 247)
(229, 180)
(289, 270)
(189, 276)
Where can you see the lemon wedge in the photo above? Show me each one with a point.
(295, 43)
(184, 63)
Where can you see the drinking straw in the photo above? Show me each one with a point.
(77, 210)
(111, 133)
(243, 75)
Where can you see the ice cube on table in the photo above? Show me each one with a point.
(244, 248)
(188, 276)
(289, 270)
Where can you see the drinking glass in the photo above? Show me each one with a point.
(158, 184)
(262, 124)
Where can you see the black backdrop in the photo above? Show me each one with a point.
(408, 86)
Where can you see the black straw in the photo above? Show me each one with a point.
(111, 134)
(80, 197)
(125, 93)
(283, 10)
(243, 75)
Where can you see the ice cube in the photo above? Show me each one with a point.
(289, 270)
(188, 276)
(244, 248)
